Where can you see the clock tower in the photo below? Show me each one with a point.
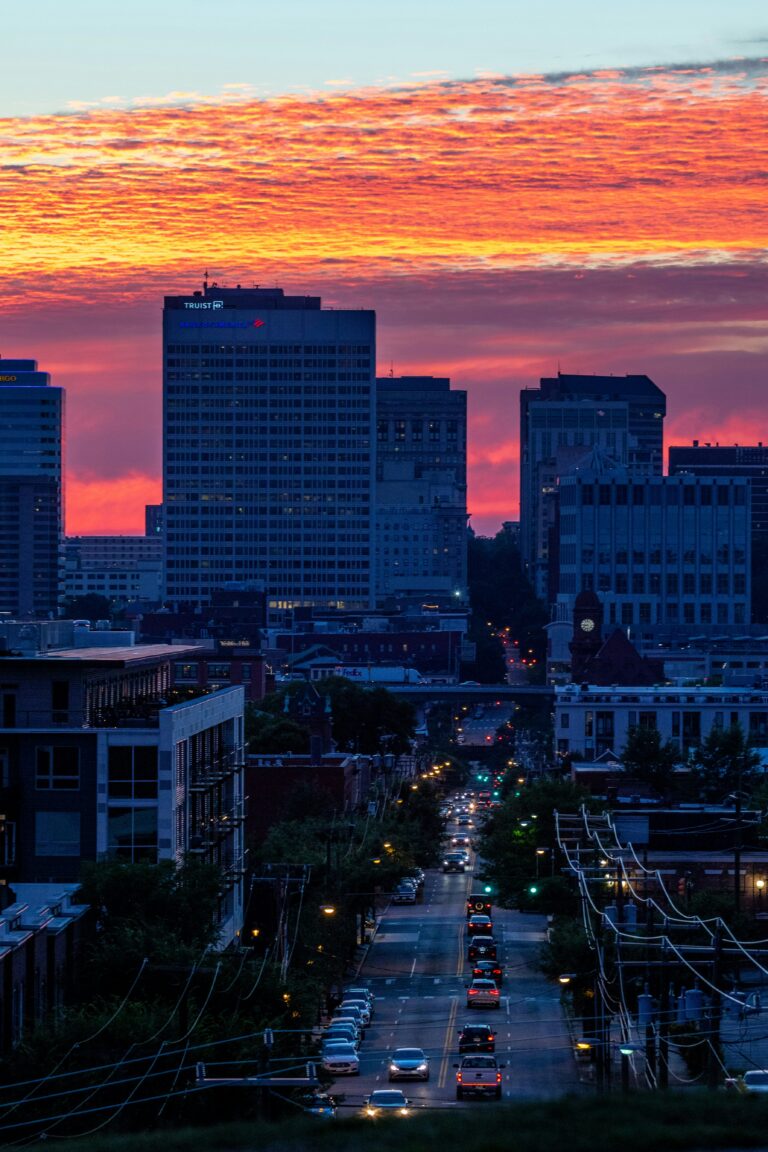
(587, 632)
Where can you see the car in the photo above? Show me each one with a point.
(460, 841)
(361, 1006)
(408, 1064)
(477, 1038)
(341, 1032)
(483, 994)
(465, 822)
(360, 993)
(478, 1076)
(754, 1082)
(479, 925)
(404, 894)
(488, 970)
(348, 1021)
(316, 1104)
(341, 1061)
(454, 862)
(482, 948)
(479, 902)
(386, 1102)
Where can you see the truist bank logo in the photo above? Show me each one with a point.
(209, 304)
(258, 323)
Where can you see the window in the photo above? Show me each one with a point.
(218, 671)
(646, 720)
(132, 834)
(185, 672)
(565, 720)
(57, 768)
(133, 772)
(57, 833)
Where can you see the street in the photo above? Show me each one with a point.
(417, 969)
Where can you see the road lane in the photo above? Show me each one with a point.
(417, 968)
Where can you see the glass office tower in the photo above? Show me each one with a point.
(268, 414)
(31, 501)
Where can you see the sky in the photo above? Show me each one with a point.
(515, 188)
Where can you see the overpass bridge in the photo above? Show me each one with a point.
(531, 695)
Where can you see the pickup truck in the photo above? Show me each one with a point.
(478, 1076)
(753, 1082)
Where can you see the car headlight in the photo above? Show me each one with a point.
(422, 1068)
(394, 1068)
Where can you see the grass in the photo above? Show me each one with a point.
(638, 1123)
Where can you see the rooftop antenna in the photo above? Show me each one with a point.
(205, 281)
(391, 369)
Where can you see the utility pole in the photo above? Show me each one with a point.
(737, 853)
(713, 1063)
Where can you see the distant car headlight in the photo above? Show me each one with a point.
(422, 1067)
(394, 1067)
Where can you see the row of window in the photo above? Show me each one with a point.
(270, 349)
(669, 494)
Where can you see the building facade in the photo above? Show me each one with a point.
(591, 720)
(729, 461)
(269, 404)
(126, 570)
(421, 489)
(31, 494)
(661, 552)
(97, 760)
(559, 423)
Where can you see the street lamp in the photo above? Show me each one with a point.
(626, 1052)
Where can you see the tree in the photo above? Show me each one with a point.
(647, 759)
(725, 763)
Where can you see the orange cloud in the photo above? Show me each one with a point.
(482, 174)
(500, 226)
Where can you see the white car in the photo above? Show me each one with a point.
(341, 1061)
(360, 994)
(350, 1004)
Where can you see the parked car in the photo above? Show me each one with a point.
(360, 993)
(341, 1032)
(361, 1006)
(315, 1103)
(408, 1064)
(478, 1076)
(754, 1082)
(341, 1061)
(404, 894)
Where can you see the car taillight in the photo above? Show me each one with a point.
(494, 992)
(458, 1076)
(498, 1077)
(473, 991)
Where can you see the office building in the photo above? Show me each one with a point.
(591, 720)
(269, 404)
(729, 461)
(668, 553)
(31, 500)
(127, 570)
(153, 519)
(560, 421)
(421, 489)
(99, 760)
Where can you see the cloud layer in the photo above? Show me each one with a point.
(608, 222)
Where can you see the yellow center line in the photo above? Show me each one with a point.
(448, 1044)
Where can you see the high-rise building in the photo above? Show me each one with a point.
(726, 461)
(269, 404)
(664, 554)
(31, 498)
(559, 423)
(153, 520)
(127, 570)
(421, 488)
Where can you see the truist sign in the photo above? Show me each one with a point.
(209, 304)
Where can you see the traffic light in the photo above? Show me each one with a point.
(487, 889)
(533, 889)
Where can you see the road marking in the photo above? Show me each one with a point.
(448, 1042)
(460, 961)
(413, 966)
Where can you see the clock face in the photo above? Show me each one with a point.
(587, 624)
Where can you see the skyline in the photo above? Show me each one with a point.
(501, 227)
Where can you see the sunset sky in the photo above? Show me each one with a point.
(512, 187)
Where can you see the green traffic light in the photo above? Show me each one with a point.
(487, 888)
(533, 889)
